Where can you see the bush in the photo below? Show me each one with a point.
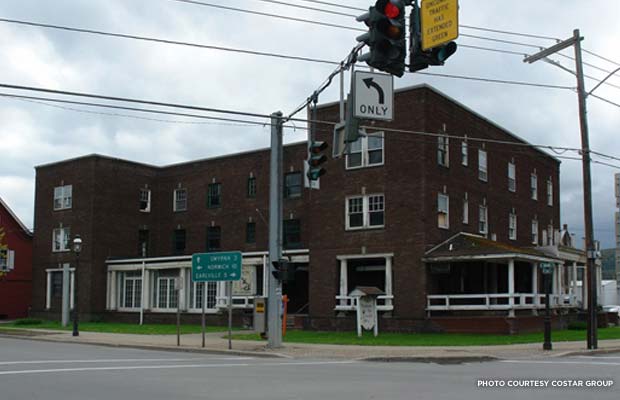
(578, 326)
(28, 321)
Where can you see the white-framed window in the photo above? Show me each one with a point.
(464, 153)
(63, 196)
(165, 293)
(180, 200)
(483, 226)
(7, 260)
(443, 211)
(534, 186)
(60, 239)
(466, 209)
(549, 235)
(535, 231)
(443, 152)
(482, 165)
(512, 177)
(512, 225)
(131, 289)
(365, 212)
(145, 200)
(197, 296)
(366, 151)
(549, 192)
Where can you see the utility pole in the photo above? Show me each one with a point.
(592, 340)
(274, 297)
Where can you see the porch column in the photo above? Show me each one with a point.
(344, 283)
(182, 290)
(584, 287)
(573, 281)
(555, 282)
(48, 291)
(511, 287)
(388, 280)
(113, 291)
(146, 288)
(72, 288)
(535, 301)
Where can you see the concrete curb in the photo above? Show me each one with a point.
(431, 359)
(607, 350)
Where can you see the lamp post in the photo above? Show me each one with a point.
(77, 248)
(547, 271)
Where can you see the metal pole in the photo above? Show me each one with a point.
(203, 321)
(229, 315)
(275, 232)
(547, 322)
(587, 197)
(178, 318)
(65, 294)
(76, 332)
(142, 292)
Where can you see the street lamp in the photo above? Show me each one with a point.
(77, 248)
(547, 271)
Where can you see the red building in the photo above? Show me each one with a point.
(15, 265)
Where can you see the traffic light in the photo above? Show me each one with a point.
(385, 37)
(281, 269)
(420, 59)
(315, 159)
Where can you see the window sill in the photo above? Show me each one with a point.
(363, 167)
(364, 228)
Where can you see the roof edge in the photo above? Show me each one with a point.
(14, 216)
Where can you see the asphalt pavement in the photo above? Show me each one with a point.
(69, 371)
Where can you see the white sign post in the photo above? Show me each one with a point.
(374, 96)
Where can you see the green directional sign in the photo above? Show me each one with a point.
(208, 267)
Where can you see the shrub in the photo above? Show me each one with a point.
(578, 326)
(28, 321)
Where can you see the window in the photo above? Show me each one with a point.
(534, 186)
(63, 197)
(7, 260)
(367, 151)
(250, 232)
(196, 295)
(512, 177)
(465, 209)
(512, 225)
(56, 284)
(464, 153)
(549, 235)
(443, 219)
(214, 195)
(292, 185)
(291, 234)
(483, 219)
(535, 232)
(443, 157)
(60, 239)
(131, 290)
(180, 200)
(145, 200)
(549, 192)
(251, 187)
(365, 212)
(143, 242)
(165, 294)
(178, 242)
(482, 165)
(214, 238)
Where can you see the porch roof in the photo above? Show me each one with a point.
(467, 246)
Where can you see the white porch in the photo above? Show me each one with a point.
(365, 270)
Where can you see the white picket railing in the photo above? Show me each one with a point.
(348, 303)
(241, 302)
(501, 301)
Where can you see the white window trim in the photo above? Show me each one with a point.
(174, 200)
(445, 149)
(447, 211)
(486, 219)
(64, 247)
(512, 177)
(483, 168)
(365, 212)
(192, 299)
(512, 218)
(466, 210)
(549, 192)
(148, 201)
(365, 153)
(122, 293)
(170, 279)
(464, 153)
(535, 233)
(534, 186)
(66, 192)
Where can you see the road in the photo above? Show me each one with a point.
(61, 371)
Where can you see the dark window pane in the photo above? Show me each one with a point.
(56, 284)
(354, 160)
(214, 236)
(375, 157)
(292, 185)
(376, 218)
(356, 220)
(179, 242)
(252, 187)
(143, 242)
(291, 234)
(214, 197)
(250, 232)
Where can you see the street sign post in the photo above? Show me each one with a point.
(440, 22)
(209, 267)
(373, 96)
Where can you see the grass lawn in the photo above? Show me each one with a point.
(431, 339)
(108, 327)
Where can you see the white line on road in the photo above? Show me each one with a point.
(178, 366)
(558, 362)
(599, 357)
(123, 360)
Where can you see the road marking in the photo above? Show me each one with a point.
(123, 360)
(599, 357)
(177, 366)
(557, 362)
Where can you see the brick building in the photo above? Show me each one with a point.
(15, 265)
(447, 225)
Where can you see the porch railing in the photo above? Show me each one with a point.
(241, 302)
(500, 301)
(348, 303)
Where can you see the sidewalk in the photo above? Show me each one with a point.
(218, 343)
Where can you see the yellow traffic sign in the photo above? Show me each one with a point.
(439, 22)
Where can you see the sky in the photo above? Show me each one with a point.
(35, 133)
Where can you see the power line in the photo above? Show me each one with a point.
(601, 57)
(507, 82)
(283, 3)
(604, 99)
